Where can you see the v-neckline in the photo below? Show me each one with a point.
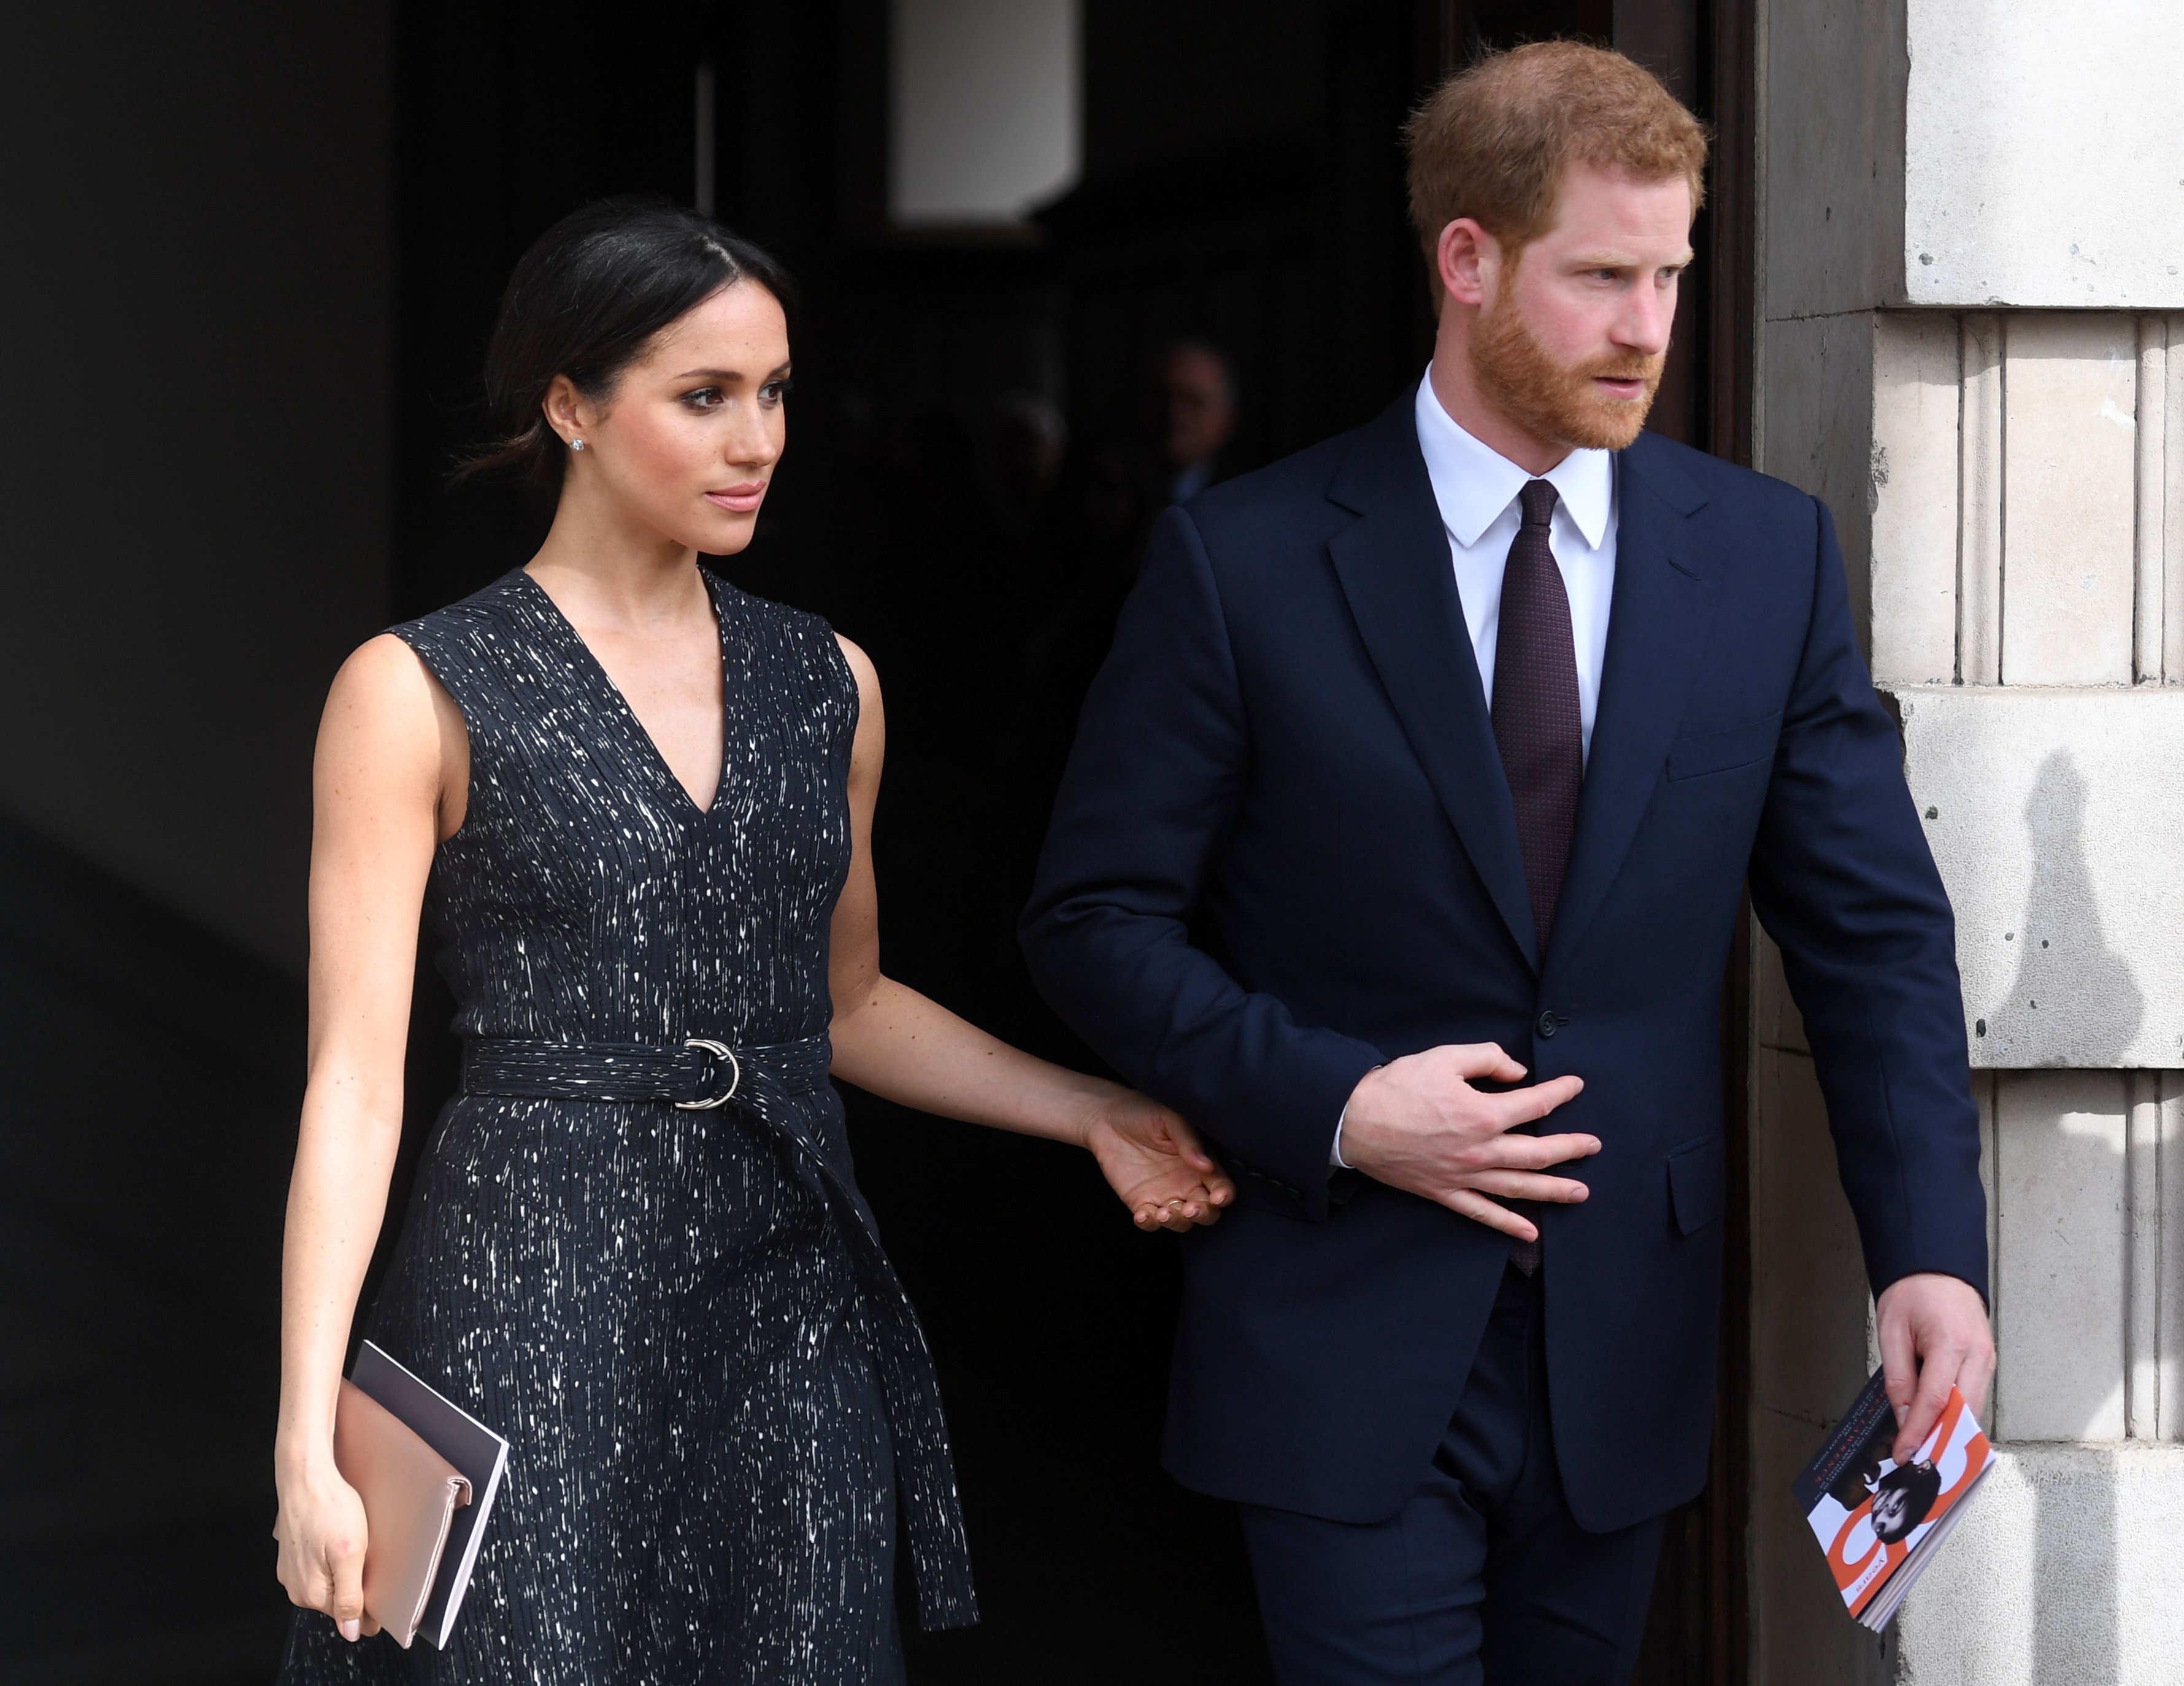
(637, 727)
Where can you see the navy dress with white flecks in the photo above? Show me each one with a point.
(718, 1401)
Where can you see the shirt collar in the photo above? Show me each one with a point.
(1473, 483)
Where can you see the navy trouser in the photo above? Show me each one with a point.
(1484, 1576)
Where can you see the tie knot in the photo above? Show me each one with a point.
(1538, 500)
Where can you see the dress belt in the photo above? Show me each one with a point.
(699, 1074)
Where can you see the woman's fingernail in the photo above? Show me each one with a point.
(352, 1630)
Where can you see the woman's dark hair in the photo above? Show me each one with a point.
(585, 301)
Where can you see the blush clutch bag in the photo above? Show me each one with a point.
(410, 1496)
(427, 1471)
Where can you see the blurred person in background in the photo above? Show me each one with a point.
(636, 804)
(1196, 389)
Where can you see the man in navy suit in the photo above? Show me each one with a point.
(1436, 759)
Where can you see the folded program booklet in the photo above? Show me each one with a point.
(476, 1453)
(1879, 1522)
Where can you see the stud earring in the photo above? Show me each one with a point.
(575, 444)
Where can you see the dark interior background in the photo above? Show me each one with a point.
(1241, 184)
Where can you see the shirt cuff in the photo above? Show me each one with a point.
(1335, 1148)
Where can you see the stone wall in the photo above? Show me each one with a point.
(1983, 374)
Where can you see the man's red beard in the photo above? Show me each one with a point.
(1556, 402)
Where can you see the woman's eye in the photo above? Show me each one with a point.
(774, 391)
(705, 397)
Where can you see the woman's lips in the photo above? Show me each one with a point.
(739, 499)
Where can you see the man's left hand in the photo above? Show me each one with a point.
(1933, 1336)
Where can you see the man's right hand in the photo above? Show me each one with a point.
(1417, 1123)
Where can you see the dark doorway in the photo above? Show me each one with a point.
(970, 483)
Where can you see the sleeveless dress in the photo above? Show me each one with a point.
(718, 1401)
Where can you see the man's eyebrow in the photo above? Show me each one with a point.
(1618, 261)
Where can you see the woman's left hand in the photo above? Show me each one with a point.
(1155, 1165)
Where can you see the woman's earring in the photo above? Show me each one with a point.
(575, 444)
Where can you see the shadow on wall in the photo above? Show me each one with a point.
(2066, 966)
(151, 1074)
(2065, 969)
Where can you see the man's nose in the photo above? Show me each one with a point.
(1650, 321)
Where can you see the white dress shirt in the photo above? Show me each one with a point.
(1476, 488)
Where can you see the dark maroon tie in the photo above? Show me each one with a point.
(1536, 718)
(1539, 725)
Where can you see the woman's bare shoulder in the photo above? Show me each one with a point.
(385, 695)
(861, 666)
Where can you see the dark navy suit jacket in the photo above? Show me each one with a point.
(1284, 852)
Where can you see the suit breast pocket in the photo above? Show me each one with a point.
(1697, 754)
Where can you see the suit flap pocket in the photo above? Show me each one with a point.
(1696, 1178)
(1705, 752)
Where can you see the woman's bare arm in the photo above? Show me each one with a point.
(899, 1045)
(391, 747)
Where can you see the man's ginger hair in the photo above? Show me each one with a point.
(1495, 141)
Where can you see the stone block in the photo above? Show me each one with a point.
(2054, 817)
(2071, 461)
(2065, 1572)
(2043, 165)
(2060, 1274)
(1917, 382)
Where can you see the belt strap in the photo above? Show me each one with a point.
(702, 1072)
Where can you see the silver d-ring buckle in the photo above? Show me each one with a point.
(719, 1051)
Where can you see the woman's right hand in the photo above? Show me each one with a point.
(322, 1534)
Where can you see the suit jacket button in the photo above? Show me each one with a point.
(1549, 1024)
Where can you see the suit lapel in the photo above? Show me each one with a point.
(1395, 568)
(1657, 626)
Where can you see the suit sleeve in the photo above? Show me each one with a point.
(1153, 787)
(1843, 880)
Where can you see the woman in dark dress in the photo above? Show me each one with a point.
(636, 804)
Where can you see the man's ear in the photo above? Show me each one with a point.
(1468, 260)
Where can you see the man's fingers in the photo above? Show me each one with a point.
(1977, 1379)
(1487, 1060)
(1899, 1367)
(1477, 1206)
(1537, 1152)
(1562, 1190)
(1899, 1362)
(1937, 1374)
(1529, 1106)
